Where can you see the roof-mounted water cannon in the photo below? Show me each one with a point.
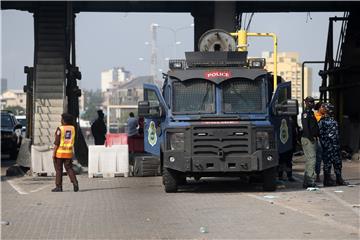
(216, 40)
(242, 45)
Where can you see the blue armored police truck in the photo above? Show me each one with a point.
(218, 113)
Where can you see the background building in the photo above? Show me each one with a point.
(289, 68)
(112, 77)
(12, 98)
(122, 99)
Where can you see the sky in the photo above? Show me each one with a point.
(106, 40)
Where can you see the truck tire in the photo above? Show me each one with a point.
(170, 180)
(269, 178)
(182, 180)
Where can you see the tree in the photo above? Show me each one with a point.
(93, 100)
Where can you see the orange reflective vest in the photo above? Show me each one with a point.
(67, 138)
(317, 115)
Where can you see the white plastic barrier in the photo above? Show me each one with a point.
(108, 161)
(41, 160)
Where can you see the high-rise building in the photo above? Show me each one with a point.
(289, 68)
(112, 77)
(4, 84)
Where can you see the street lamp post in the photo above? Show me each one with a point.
(175, 31)
(153, 65)
(153, 43)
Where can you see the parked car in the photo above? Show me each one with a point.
(10, 134)
(23, 121)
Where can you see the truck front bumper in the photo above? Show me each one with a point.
(257, 161)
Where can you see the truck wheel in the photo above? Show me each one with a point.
(269, 178)
(182, 180)
(170, 180)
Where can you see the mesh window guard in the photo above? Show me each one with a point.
(242, 95)
(194, 96)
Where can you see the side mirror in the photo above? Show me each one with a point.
(17, 129)
(289, 107)
(150, 109)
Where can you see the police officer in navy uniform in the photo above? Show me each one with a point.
(329, 139)
(63, 152)
(309, 141)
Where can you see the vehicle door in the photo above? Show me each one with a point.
(153, 136)
(282, 124)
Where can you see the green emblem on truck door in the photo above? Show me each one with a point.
(284, 131)
(152, 138)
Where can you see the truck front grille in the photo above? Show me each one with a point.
(221, 141)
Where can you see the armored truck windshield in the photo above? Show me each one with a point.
(241, 95)
(193, 97)
(238, 95)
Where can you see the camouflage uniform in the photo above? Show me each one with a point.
(329, 138)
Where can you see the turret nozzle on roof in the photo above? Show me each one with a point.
(217, 40)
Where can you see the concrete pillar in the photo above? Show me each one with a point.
(212, 15)
(203, 20)
(224, 15)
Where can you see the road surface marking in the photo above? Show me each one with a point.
(343, 227)
(13, 184)
(39, 189)
(342, 202)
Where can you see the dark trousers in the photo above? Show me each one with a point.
(99, 140)
(285, 163)
(332, 157)
(58, 164)
(318, 158)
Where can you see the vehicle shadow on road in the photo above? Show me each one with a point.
(235, 185)
(100, 189)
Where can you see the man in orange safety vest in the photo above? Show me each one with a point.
(63, 152)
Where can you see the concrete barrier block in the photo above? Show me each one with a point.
(24, 158)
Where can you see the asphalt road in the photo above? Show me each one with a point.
(138, 208)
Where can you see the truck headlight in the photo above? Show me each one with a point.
(176, 141)
(262, 140)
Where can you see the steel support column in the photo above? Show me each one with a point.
(212, 15)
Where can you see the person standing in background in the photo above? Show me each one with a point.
(318, 116)
(98, 129)
(309, 141)
(329, 138)
(132, 125)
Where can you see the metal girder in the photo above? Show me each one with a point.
(188, 6)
